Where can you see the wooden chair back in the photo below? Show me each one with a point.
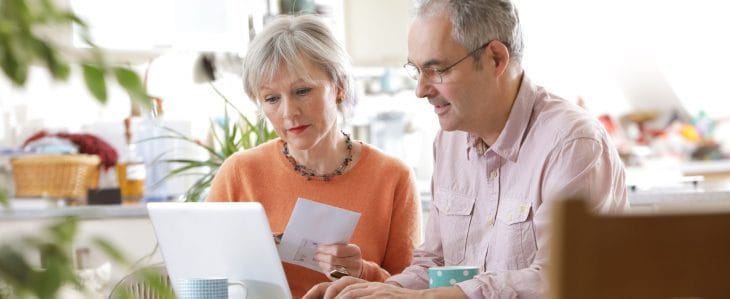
(658, 255)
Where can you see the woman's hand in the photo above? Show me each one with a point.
(345, 258)
(277, 238)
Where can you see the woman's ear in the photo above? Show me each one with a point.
(340, 94)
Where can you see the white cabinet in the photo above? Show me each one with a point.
(376, 31)
(141, 25)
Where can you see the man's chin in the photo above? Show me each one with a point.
(447, 125)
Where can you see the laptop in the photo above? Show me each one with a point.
(211, 239)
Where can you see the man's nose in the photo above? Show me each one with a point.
(424, 88)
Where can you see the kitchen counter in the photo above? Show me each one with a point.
(644, 198)
(31, 209)
(672, 182)
(34, 209)
(705, 167)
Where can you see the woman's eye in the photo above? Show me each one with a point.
(271, 99)
(303, 91)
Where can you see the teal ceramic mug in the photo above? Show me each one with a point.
(207, 288)
(450, 275)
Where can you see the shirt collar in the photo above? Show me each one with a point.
(510, 139)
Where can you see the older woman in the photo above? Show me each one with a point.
(298, 74)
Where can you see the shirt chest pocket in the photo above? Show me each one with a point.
(515, 243)
(455, 216)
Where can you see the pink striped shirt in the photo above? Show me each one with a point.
(493, 211)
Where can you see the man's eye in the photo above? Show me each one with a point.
(302, 91)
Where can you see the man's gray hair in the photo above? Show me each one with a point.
(289, 41)
(476, 22)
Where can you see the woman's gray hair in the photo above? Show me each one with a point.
(476, 22)
(289, 41)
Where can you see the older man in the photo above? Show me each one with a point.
(507, 149)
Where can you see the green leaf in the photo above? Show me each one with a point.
(19, 11)
(57, 268)
(179, 136)
(197, 163)
(14, 269)
(131, 82)
(61, 70)
(4, 198)
(246, 138)
(229, 146)
(195, 192)
(122, 294)
(231, 142)
(12, 64)
(110, 250)
(225, 99)
(214, 132)
(46, 52)
(72, 18)
(157, 285)
(95, 81)
(235, 140)
(182, 169)
(64, 231)
(48, 281)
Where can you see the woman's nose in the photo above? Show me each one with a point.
(290, 109)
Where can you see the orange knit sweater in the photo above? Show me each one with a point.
(379, 187)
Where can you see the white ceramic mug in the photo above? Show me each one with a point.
(207, 288)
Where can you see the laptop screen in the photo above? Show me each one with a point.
(211, 239)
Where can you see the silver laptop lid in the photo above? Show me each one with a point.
(231, 240)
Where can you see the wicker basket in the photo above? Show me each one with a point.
(55, 176)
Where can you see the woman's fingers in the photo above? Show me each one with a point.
(345, 259)
(344, 250)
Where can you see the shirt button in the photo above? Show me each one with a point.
(494, 173)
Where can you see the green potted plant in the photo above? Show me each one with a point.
(21, 278)
(229, 136)
(22, 45)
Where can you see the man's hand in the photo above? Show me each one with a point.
(349, 287)
(378, 290)
(387, 290)
(345, 258)
(329, 290)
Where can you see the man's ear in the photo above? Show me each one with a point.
(498, 57)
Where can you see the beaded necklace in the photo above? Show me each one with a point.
(309, 173)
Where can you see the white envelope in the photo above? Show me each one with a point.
(312, 224)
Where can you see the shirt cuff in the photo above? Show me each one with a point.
(409, 281)
(471, 288)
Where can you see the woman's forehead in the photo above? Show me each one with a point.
(291, 73)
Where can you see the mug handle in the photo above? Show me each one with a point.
(241, 284)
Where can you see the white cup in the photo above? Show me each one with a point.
(207, 288)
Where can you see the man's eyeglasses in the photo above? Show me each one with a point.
(432, 74)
